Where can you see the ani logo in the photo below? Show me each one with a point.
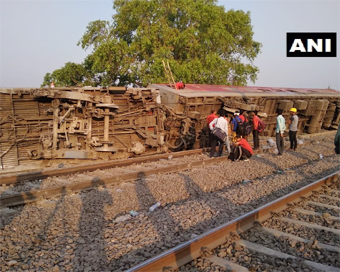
(311, 44)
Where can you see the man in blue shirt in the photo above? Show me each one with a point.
(234, 123)
(280, 129)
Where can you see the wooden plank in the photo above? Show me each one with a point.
(226, 264)
(323, 205)
(309, 225)
(278, 254)
(315, 213)
(306, 241)
(330, 197)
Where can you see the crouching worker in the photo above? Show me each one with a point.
(241, 150)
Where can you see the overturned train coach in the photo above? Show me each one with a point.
(119, 122)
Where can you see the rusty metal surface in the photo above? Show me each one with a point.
(191, 250)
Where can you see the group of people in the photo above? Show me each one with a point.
(240, 149)
(293, 128)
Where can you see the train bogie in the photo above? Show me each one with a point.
(81, 123)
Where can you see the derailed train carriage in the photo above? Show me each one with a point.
(119, 122)
(317, 108)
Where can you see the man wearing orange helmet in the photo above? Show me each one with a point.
(293, 127)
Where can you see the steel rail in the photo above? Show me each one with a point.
(42, 174)
(33, 175)
(34, 196)
(188, 251)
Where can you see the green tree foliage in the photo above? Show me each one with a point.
(201, 41)
(71, 74)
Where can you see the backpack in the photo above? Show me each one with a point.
(248, 127)
(240, 128)
(235, 154)
(243, 128)
(261, 126)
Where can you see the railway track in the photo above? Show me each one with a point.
(25, 197)
(255, 241)
(41, 174)
(28, 195)
(33, 195)
(13, 176)
(110, 227)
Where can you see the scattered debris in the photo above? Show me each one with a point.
(122, 218)
(271, 142)
(155, 206)
(134, 213)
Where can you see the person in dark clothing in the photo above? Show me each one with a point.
(209, 119)
(293, 127)
(337, 141)
(255, 121)
(238, 119)
(244, 119)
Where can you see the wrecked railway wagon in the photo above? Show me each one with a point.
(317, 108)
(119, 122)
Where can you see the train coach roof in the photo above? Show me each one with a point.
(225, 90)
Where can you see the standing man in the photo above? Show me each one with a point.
(293, 127)
(227, 142)
(222, 123)
(238, 124)
(243, 119)
(209, 119)
(234, 124)
(255, 129)
(280, 129)
(337, 141)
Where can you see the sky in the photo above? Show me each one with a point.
(38, 37)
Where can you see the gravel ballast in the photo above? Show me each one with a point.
(94, 230)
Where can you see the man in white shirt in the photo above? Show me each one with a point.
(222, 123)
(280, 129)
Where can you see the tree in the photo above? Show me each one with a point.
(71, 74)
(202, 42)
